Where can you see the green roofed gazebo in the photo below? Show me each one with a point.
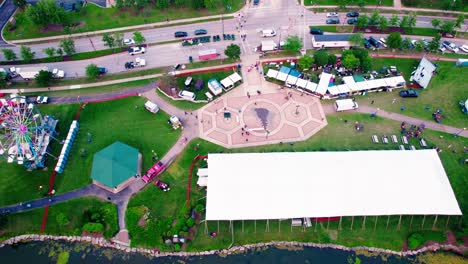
(115, 166)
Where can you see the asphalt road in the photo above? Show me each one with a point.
(283, 15)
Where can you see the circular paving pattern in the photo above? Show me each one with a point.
(261, 116)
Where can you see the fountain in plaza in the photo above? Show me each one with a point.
(262, 114)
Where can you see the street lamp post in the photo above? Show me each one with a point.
(459, 132)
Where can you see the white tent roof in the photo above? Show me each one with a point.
(301, 83)
(322, 86)
(349, 81)
(291, 80)
(272, 73)
(227, 82)
(310, 184)
(343, 88)
(311, 86)
(235, 77)
(202, 172)
(333, 90)
(423, 73)
(282, 76)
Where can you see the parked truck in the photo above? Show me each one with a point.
(207, 54)
(58, 74)
(29, 73)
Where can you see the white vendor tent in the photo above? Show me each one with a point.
(227, 83)
(255, 186)
(322, 86)
(301, 83)
(291, 80)
(272, 73)
(349, 81)
(424, 72)
(235, 77)
(311, 86)
(333, 90)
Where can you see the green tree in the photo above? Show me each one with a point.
(361, 3)
(366, 63)
(9, 54)
(92, 71)
(141, 3)
(357, 40)
(62, 219)
(332, 59)
(436, 23)
(342, 4)
(210, 3)
(59, 52)
(305, 62)
(50, 51)
(20, 3)
(3, 220)
(447, 27)
(406, 43)
(435, 43)
(404, 22)
(233, 51)
(394, 40)
(460, 20)
(44, 78)
(395, 20)
(180, 3)
(293, 44)
(350, 62)
(411, 21)
(46, 12)
(362, 21)
(93, 227)
(198, 4)
(375, 18)
(138, 38)
(27, 54)
(321, 57)
(108, 40)
(383, 23)
(119, 38)
(161, 4)
(68, 46)
(419, 45)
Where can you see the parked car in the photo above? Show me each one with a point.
(407, 43)
(383, 42)
(177, 66)
(454, 48)
(352, 14)
(201, 32)
(374, 42)
(332, 14)
(42, 100)
(316, 31)
(180, 34)
(136, 50)
(129, 41)
(409, 93)
(352, 21)
(446, 44)
(464, 48)
(102, 70)
(442, 48)
(256, 2)
(367, 43)
(334, 20)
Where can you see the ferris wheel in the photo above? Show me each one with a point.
(25, 134)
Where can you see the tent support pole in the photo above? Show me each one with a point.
(352, 222)
(424, 219)
(279, 225)
(242, 225)
(218, 226)
(255, 226)
(206, 227)
(364, 223)
(316, 223)
(460, 222)
(328, 223)
(339, 224)
(399, 223)
(375, 224)
(411, 222)
(291, 225)
(267, 226)
(388, 221)
(446, 224)
(435, 222)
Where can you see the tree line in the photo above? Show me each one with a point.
(162, 4)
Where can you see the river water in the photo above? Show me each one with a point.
(47, 252)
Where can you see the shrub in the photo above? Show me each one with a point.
(417, 239)
(93, 227)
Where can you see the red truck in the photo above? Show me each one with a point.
(207, 54)
(153, 171)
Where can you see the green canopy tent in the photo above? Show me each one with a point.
(115, 166)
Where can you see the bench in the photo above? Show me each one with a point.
(394, 139)
(404, 140)
(412, 147)
(375, 139)
(402, 147)
(385, 139)
(423, 142)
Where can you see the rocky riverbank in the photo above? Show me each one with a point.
(234, 250)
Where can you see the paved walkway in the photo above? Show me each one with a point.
(402, 8)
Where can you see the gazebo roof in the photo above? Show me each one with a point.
(115, 164)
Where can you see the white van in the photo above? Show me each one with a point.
(187, 95)
(268, 33)
(188, 81)
(345, 104)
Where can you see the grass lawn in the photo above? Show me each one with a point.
(164, 206)
(459, 5)
(337, 2)
(96, 18)
(117, 120)
(335, 29)
(444, 92)
(29, 222)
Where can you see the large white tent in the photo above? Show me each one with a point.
(255, 186)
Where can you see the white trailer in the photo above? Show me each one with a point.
(139, 62)
(29, 73)
(345, 104)
(268, 45)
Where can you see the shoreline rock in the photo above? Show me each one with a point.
(233, 250)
